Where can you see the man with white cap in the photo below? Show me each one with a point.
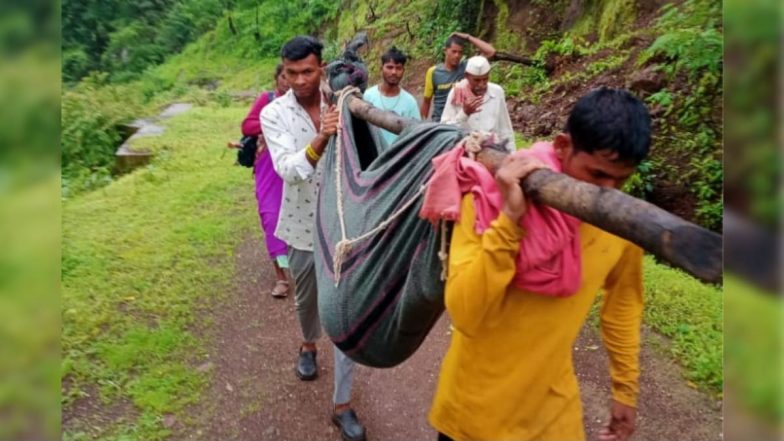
(477, 104)
(440, 78)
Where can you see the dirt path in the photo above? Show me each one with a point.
(255, 395)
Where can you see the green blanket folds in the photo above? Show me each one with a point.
(390, 293)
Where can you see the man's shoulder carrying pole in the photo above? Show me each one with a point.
(685, 245)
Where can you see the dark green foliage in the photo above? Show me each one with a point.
(641, 183)
(127, 40)
(691, 40)
(753, 136)
(124, 38)
(448, 16)
(91, 115)
(303, 16)
(688, 51)
(130, 50)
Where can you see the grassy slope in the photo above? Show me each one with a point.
(140, 257)
(691, 314)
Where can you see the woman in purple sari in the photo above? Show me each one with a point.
(269, 186)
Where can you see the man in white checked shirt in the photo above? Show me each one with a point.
(297, 134)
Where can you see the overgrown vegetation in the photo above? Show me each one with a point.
(607, 19)
(686, 51)
(229, 56)
(91, 116)
(447, 17)
(137, 266)
(532, 83)
(689, 52)
(124, 38)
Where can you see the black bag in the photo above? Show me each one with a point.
(246, 155)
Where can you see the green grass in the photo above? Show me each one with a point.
(753, 354)
(521, 142)
(140, 258)
(199, 64)
(690, 314)
(29, 314)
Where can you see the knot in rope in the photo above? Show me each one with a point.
(475, 141)
(344, 245)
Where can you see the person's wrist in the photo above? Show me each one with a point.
(513, 215)
(312, 153)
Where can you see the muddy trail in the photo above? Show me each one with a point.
(254, 394)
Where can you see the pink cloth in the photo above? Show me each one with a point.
(462, 92)
(269, 193)
(549, 258)
(269, 186)
(251, 125)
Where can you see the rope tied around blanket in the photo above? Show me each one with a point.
(443, 254)
(472, 143)
(344, 245)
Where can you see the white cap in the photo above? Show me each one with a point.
(477, 65)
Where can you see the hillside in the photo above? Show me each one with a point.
(669, 55)
(162, 273)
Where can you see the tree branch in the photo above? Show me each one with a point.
(505, 56)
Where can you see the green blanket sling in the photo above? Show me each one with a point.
(380, 296)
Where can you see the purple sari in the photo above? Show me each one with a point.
(269, 186)
(269, 192)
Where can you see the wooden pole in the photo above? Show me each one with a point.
(505, 56)
(683, 244)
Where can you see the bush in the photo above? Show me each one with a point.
(76, 64)
(91, 114)
(447, 17)
(130, 50)
(641, 183)
(689, 51)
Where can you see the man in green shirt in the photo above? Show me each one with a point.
(440, 78)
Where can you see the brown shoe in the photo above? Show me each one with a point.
(281, 289)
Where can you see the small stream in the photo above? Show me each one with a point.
(128, 159)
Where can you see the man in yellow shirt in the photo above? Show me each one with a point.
(508, 373)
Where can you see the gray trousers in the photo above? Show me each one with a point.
(303, 270)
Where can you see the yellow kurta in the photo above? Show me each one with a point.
(508, 373)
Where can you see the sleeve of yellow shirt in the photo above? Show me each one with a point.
(429, 82)
(621, 318)
(481, 267)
